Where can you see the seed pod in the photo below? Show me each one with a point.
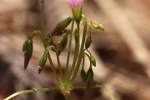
(93, 60)
(28, 50)
(90, 74)
(88, 41)
(43, 60)
(83, 75)
(61, 26)
(63, 42)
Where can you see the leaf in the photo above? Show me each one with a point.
(28, 50)
(43, 60)
(83, 75)
(88, 41)
(60, 27)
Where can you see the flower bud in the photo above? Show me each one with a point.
(60, 27)
(75, 3)
(27, 49)
(76, 6)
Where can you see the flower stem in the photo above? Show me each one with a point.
(76, 53)
(69, 47)
(59, 64)
(42, 10)
(30, 91)
(81, 54)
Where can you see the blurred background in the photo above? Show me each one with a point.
(122, 50)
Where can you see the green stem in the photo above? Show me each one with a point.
(69, 47)
(42, 10)
(76, 52)
(83, 62)
(81, 54)
(29, 91)
(59, 64)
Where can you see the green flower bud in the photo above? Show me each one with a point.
(28, 50)
(43, 60)
(88, 41)
(61, 26)
(77, 13)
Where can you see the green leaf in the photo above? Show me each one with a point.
(88, 41)
(28, 50)
(61, 26)
(43, 60)
(83, 75)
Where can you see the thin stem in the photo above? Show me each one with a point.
(69, 47)
(42, 10)
(30, 91)
(76, 52)
(59, 64)
(83, 62)
(81, 53)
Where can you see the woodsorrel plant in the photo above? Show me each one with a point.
(77, 29)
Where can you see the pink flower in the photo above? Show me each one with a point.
(75, 3)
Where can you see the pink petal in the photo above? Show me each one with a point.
(75, 2)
